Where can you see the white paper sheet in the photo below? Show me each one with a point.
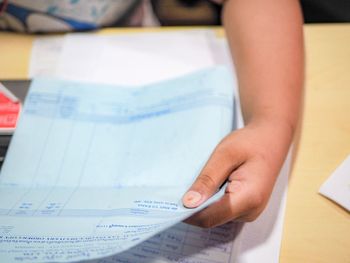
(337, 186)
(45, 55)
(133, 59)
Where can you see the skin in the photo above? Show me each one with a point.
(266, 42)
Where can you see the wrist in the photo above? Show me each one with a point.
(272, 138)
(275, 124)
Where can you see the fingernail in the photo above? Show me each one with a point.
(192, 199)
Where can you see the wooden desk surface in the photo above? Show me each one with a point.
(316, 229)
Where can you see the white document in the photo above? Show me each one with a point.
(184, 243)
(231, 243)
(337, 186)
(45, 55)
(93, 170)
(134, 59)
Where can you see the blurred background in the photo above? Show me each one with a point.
(20, 15)
(207, 12)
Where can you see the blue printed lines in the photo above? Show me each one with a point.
(69, 107)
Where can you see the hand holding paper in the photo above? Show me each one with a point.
(269, 70)
(245, 159)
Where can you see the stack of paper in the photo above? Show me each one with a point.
(94, 170)
(152, 57)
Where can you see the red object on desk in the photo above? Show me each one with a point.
(9, 113)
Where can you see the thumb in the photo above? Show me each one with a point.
(219, 166)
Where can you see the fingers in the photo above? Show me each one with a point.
(219, 166)
(229, 207)
(244, 198)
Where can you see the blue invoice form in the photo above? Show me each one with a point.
(93, 170)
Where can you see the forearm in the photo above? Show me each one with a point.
(266, 41)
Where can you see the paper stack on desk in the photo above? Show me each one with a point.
(95, 169)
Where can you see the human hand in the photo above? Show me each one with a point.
(250, 160)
